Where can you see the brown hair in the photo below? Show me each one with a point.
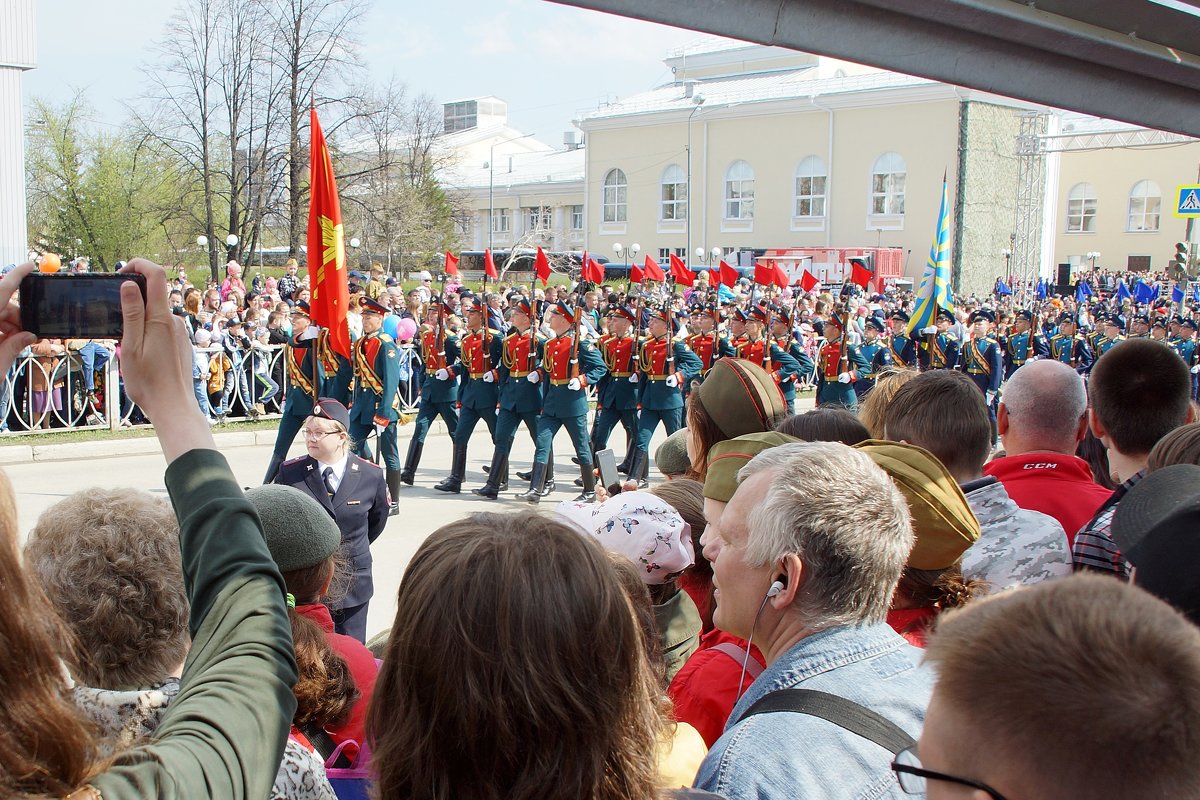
(1139, 713)
(46, 746)
(944, 588)
(109, 561)
(489, 687)
(1140, 391)
(643, 613)
(873, 408)
(1180, 446)
(191, 301)
(325, 689)
(944, 412)
(827, 424)
(1093, 451)
(704, 432)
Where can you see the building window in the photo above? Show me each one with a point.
(739, 191)
(674, 193)
(887, 184)
(576, 218)
(664, 255)
(616, 196)
(1081, 208)
(810, 188)
(460, 116)
(1145, 202)
(501, 220)
(538, 218)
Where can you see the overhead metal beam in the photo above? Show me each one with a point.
(1129, 60)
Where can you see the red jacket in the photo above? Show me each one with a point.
(1052, 483)
(705, 689)
(362, 666)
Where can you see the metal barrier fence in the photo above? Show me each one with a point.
(47, 393)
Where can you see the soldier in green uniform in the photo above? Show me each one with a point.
(617, 391)
(477, 373)
(901, 346)
(568, 370)
(837, 370)
(1114, 334)
(665, 366)
(439, 389)
(945, 345)
(520, 400)
(785, 340)
(1023, 345)
(376, 379)
(1189, 349)
(1071, 347)
(875, 352)
(300, 356)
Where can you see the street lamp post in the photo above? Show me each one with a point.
(697, 100)
(1092, 256)
(231, 241)
(628, 253)
(354, 243)
(491, 165)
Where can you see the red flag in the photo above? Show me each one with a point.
(489, 265)
(728, 275)
(859, 274)
(593, 272)
(653, 270)
(451, 263)
(781, 278)
(542, 265)
(808, 281)
(680, 272)
(330, 296)
(764, 275)
(635, 274)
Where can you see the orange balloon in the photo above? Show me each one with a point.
(49, 262)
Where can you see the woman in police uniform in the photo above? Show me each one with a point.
(354, 492)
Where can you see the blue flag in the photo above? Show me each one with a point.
(934, 292)
(1196, 293)
(1083, 290)
(1041, 289)
(1002, 288)
(1142, 292)
(1177, 294)
(1123, 292)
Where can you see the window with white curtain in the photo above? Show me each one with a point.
(616, 196)
(1145, 205)
(810, 188)
(674, 194)
(887, 184)
(739, 191)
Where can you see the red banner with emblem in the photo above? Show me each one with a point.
(330, 292)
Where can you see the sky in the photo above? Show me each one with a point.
(550, 63)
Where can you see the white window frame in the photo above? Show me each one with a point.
(576, 218)
(539, 218)
(615, 197)
(501, 220)
(739, 192)
(1145, 208)
(1082, 206)
(811, 170)
(889, 174)
(673, 199)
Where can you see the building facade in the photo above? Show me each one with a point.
(18, 53)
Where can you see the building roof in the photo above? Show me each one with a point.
(552, 166)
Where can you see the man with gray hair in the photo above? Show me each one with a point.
(1041, 420)
(805, 562)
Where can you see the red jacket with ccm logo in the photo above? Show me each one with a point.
(1052, 483)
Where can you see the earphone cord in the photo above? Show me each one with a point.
(749, 644)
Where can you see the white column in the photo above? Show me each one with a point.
(18, 52)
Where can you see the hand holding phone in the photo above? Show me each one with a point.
(75, 305)
(13, 337)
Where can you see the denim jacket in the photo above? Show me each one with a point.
(787, 756)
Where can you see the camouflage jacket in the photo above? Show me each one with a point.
(1017, 546)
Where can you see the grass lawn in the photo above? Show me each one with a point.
(93, 435)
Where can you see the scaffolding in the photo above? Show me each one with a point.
(1026, 239)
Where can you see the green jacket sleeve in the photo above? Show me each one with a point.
(224, 734)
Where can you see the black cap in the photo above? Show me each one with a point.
(1025, 314)
(370, 306)
(301, 307)
(946, 314)
(983, 313)
(328, 408)
(898, 314)
(876, 323)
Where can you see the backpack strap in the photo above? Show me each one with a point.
(739, 654)
(844, 713)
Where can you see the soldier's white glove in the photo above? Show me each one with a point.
(633, 378)
(489, 376)
(574, 385)
(672, 381)
(1196, 370)
(991, 396)
(379, 429)
(845, 377)
(311, 332)
(534, 376)
(930, 331)
(442, 374)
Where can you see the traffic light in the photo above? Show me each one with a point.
(1180, 261)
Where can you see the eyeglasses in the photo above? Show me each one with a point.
(912, 776)
(318, 434)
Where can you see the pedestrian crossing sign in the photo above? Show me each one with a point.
(1187, 201)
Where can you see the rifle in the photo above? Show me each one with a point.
(441, 331)
(843, 351)
(487, 328)
(532, 322)
(575, 345)
(767, 339)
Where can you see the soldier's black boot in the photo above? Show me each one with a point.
(504, 475)
(273, 468)
(496, 472)
(638, 468)
(548, 486)
(537, 476)
(588, 495)
(393, 484)
(458, 469)
(412, 461)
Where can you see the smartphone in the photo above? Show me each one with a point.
(75, 305)
(607, 463)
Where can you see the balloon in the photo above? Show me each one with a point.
(406, 329)
(389, 325)
(49, 262)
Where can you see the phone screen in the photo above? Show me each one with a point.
(75, 306)
(608, 468)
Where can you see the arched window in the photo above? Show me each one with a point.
(615, 200)
(674, 193)
(810, 188)
(739, 191)
(1145, 202)
(1081, 208)
(887, 184)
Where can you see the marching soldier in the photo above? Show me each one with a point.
(439, 389)
(707, 342)
(1023, 345)
(1114, 327)
(984, 363)
(781, 332)
(875, 353)
(376, 379)
(945, 345)
(1189, 349)
(665, 366)
(1158, 329)
(1095, 337)
(339, 372)
(901, 346)
(1071, 347)
(767, 354)
(520, 399)
(300, 355)
(569, 370)
(478, 394)
(617, 391)
(839, 365)
(1139, 327)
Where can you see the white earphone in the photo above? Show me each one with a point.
(776, 587)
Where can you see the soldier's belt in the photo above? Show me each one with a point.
(1019, 363)
(562, 382)
(977, 371)
(516, 374)
(475, 376)
(657, 378)
(620, 374)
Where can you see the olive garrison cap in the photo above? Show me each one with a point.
(726, 458)
(741, 397)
